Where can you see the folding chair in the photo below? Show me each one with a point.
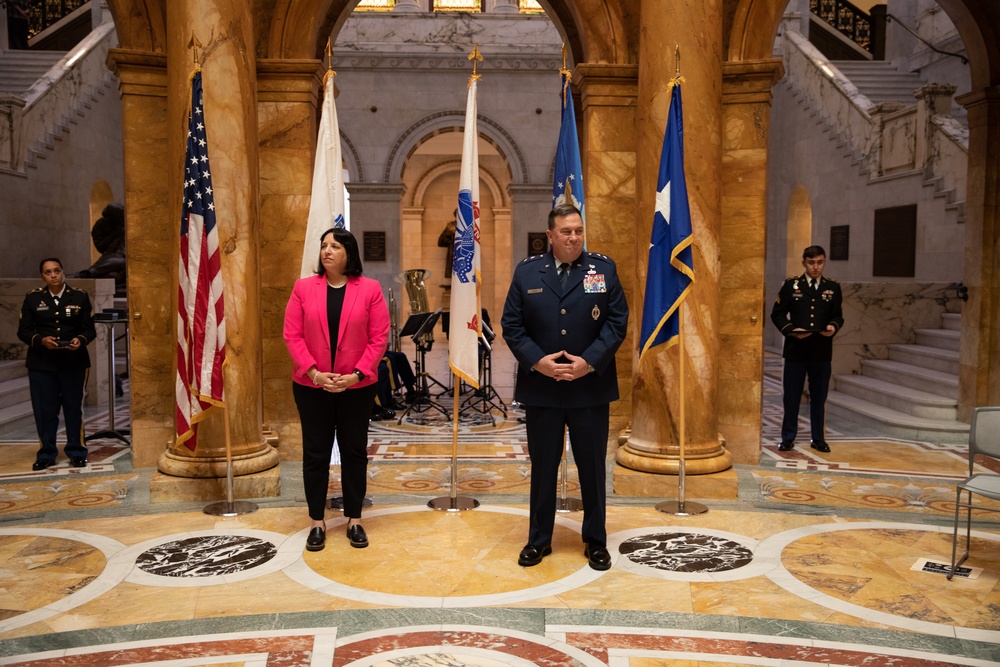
(984, 439)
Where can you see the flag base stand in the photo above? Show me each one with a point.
(456, 504)
(337, 502)
(680, 508)
(234, 508)
(569, 505)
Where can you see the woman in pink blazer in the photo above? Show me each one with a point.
(336, 330)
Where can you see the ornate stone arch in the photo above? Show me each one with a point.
(453, 166)
(141, 24)
(488, 127)
(352, 159)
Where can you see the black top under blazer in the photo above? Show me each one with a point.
(797, 306)
(589, 320)
(72, 318)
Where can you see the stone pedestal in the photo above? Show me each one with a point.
(170, 489)
(654, 445)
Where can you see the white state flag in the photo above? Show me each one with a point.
(326, 208)
(465, 326)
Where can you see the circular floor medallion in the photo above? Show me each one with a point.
(206, 556)
(686, 552)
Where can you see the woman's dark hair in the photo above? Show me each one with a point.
(346, 239)
(41, 264)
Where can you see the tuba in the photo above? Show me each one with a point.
(416, 291)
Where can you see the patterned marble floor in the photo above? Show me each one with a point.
(811, 566)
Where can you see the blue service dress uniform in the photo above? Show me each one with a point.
(800, 307)
(57, 377)
(587, 318)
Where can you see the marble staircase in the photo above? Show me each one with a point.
(15, 401)
(20, 70)
(913, 394)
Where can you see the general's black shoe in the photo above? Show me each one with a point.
(79, 462)
(820, 446)
(786, 445)
(599, 557)
(532, 555)
(41, 465)
(316, 540)
(356, 534)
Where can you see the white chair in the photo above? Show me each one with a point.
(984, 439)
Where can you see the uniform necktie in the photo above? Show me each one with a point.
(812, 283)
(563, 274)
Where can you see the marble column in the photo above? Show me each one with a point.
(607, 103)
(746, 112)
(375, 207)
(502, 272)
(506, 7)
(653, 445)
(225, 28)
(287, 99)
(979, 372)
(151, 233)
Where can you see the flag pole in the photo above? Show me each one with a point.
(680, 507)
(468, 193)
(227, 507)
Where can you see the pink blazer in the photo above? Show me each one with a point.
(361, 339)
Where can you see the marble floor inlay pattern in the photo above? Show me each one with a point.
(813, 564)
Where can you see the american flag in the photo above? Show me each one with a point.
(201, 327)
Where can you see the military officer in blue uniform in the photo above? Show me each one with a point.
(564, 319)
(808, 313)
(57, 324)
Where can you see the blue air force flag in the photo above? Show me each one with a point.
(326, 207)
(670, 271)
(567, 182)
(465, 326)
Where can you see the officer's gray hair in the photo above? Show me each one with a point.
(562, 211)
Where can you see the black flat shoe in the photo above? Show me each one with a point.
(316, 540)
(820, 446)
(41, 465)
(79, 462)
(598, 557)
(532, 555)
(786, 445)
(356, 534)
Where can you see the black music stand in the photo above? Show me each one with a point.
(418, 326)
(485, 399)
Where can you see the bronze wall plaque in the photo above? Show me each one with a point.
(374, 246)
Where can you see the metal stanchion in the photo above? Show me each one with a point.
(680, 507)
(229, 507)
(567, 504)
(454, 502)
(111, 431)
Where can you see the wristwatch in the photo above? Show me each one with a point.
(591, 369)
(361, 376)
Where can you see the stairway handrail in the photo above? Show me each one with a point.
(890, 17)
(849, 110)
(59, 92)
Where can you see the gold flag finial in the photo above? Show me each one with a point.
(677, 60)
(476, 57)
(329, 63)
(195, 45)
(568, 76)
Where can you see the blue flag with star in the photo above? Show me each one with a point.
(670, 271)
(567, 181)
